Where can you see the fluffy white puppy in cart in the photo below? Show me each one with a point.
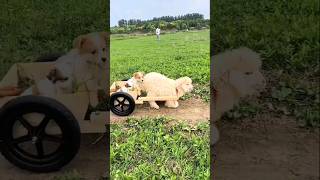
(83, 68)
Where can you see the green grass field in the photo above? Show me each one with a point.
(151, 148)
(175, 55)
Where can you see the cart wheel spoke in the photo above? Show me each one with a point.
(25, 124)
(42, 126)
(122, 109)
(126, 102)
(52, 138)
(122, 100)
(21, 139)
(39, 147)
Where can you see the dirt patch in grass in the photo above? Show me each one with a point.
(191, 111)
(266, 147)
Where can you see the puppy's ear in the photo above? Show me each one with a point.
(134, 74)
(79, 41)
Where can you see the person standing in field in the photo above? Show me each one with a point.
(158, 33)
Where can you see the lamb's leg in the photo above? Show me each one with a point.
(172, 104)
(153, 104)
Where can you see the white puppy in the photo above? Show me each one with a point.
(136, 79)
(82, 68)
(156, 85)
(85, 65)
(236, 74)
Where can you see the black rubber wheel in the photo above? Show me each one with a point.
(28, 143)
(122, 104)
(49, 57)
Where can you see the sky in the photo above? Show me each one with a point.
(147, 9)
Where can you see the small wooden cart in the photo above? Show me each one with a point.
(42, 134)
(123, 103)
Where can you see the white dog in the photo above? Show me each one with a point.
(136, 79)
(85, 65)
(82, 68)
(156, 84)
(134, 83)
(236, 74)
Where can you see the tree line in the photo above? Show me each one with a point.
(181, 22)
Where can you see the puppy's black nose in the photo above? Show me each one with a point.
(103, 59)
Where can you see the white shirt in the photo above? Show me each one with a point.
(158, 31)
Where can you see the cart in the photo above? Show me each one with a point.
(123, 103)
(42, 134)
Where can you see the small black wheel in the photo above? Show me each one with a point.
(49, 57)
(38, 133)
(122, 104)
